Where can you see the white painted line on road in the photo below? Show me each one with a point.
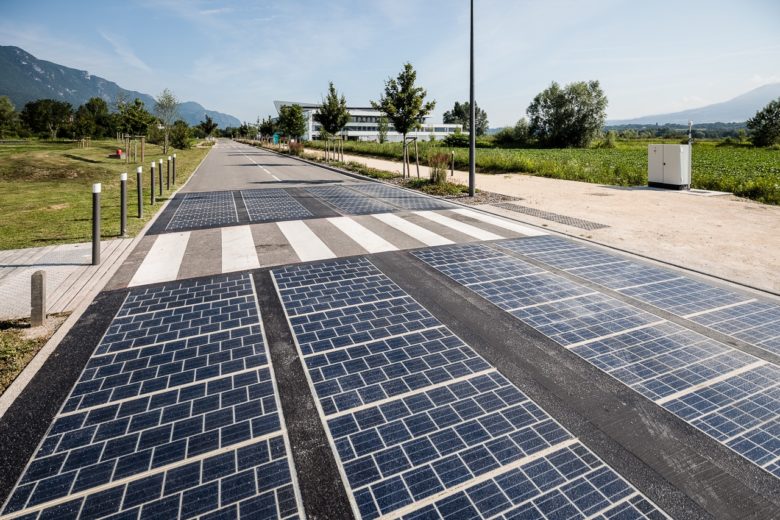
(500, 222)
(163, 260)
(306, 244)
(466, 229)
(238, 249)
(429, 238)
(263, 168)
(366, 238)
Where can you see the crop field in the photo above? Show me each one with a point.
(744, 171)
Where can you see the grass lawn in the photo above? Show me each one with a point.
(46, 190)
(16, 349)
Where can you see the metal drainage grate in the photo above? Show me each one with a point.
(555, 217)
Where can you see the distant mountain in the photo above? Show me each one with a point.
(23, 78)
(739, 109)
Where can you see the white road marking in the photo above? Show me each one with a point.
(263, 168)
(304, 241)
(238, 249)
(729, 306)
(466, 229)
(366, 238)
(163, 260)
(500, 222)
(429, 238)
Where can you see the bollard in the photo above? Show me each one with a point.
(123, 204)
(38, 298)
(174, 168)
(139, 190)
(168, 174)
(152, 177)
(452, 168)
(96, 224)
(159, 177)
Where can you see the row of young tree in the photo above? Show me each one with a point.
(52, 119)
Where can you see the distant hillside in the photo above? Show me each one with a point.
(739, 109)
(26, 78)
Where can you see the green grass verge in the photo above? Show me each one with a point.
(441, 190)
(46, 190)
(745, 171)
(16, 350)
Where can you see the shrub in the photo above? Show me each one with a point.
(296, 149)
(437, 162)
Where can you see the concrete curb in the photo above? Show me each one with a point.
(25, 376)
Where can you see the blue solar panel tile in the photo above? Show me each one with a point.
(204, 209)
(349, 201)
(575, 257)
(272, 205)
(683, 296)
(529, 245)
(624, 274)
(400, 198)
(754, 322)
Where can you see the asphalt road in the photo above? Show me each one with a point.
(331, 349)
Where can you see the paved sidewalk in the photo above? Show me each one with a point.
(723, 236)
(69, 274)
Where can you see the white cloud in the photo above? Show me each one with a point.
(124, 51)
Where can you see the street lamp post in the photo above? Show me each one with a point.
(472, 112)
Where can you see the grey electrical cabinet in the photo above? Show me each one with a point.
(669, 166)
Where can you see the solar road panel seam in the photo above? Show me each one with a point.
(710, 382)
(721, 308)
(311, 313)
(373, 340)
(645, 284)
(567, 298)
(411, 393)
(613, 334)
(414, 506)
(390, 508)
(137, 476)
(749, 430)
(503, 279)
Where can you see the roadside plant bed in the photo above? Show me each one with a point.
(19, 344)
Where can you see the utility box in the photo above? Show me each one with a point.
(669, 166)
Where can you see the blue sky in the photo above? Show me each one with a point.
(237, 57)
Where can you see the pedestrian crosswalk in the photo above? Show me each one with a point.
(253, 246)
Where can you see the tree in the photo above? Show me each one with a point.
(332, 114)
(93, 119)
(461, 114)
(46, 116)
(571, 116)
(382, 127)
(291, 121)
(403, 103)
(267, 127)
(134, 119)
(764, 127)
(180, 135)
(208, 126)
(7, 115)
(166, 107)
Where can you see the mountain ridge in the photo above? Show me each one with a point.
(735, 110)
(26, 78)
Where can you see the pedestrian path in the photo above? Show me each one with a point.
(252, 246)
(69, 274)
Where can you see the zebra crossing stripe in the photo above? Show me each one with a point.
(500, 222)
(238, 249)
(163, 260)
(306, 244)
(466, 229)
(366, 238)
(429, 238)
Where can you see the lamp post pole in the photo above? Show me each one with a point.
(472, 112)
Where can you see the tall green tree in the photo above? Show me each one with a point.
(461, 114)
(7, 115)
(267, 127)
(208, 126)
(332, 114)
(291, 121)
(166, 107)
(133, 117)
(764, 127)
(92, 119)
(46, 116)
(571, 116)
(404, 103)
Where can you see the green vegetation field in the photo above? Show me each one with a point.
(745, 171)
(46, 190)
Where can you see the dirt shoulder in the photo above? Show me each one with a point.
(723, 236)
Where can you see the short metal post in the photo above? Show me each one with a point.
(159, 177)
(123, 204)
(140, 190)
(152, 177)
(174, 168)
(452, 168)
(96, 223)
(38, 298)
(168, 174)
